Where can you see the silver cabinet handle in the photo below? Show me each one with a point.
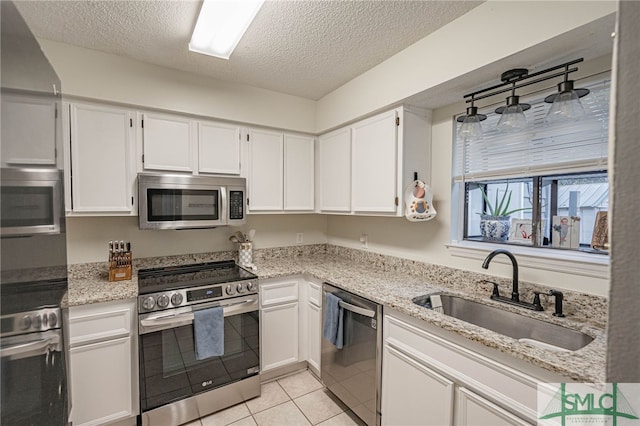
(357, 309)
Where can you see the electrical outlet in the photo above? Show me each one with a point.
(299, 238)
(364, 241)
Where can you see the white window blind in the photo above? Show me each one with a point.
(543, 149)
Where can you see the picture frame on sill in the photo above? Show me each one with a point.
(565, 232)
(521, 230)
(600, 238)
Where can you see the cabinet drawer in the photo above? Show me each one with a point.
(278, 292)
(315, 294)
(104, 321)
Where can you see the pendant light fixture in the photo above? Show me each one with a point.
(471, 129)
(565, 103)
(513, 118)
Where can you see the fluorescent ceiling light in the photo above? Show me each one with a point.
(221, 24)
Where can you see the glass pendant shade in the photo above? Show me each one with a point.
(513, 119)
(566, 104)
(471, 129)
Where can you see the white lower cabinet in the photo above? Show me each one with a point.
(314, 325)
(103, 363)
(472, 409)
(278, 323)
(434, 377)
(290, 323)
(414, 394)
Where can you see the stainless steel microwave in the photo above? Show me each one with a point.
(169, 201)
(31, 202)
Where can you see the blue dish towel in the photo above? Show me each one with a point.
(333, 329)
(208, 330)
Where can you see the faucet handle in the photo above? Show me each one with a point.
(495, 293)
(536, 301)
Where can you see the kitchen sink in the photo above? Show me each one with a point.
(530, 330)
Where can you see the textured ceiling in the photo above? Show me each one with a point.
(303, 48)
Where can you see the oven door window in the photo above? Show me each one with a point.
(34, 388)
(27, 206)
(168, 205)
(169, 370)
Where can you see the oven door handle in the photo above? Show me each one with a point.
(174, 320)
(171, 321)
(357, 309)
(29, 349)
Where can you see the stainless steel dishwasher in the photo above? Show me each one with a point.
(353, 373)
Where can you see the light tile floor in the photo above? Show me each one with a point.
(298, 399)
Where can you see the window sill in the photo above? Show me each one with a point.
(571, 262)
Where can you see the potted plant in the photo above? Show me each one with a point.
(495, 221)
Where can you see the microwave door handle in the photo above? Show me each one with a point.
(222, 202)
(37, 348)
(357, 309)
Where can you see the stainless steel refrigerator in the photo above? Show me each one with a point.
(33, 253)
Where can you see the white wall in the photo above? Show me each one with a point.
(492, 32)
(87, 237)
(93, 74)
(623, 343)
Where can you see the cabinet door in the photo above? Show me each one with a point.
(278, 335)
(167, 142)
(374, 143)
(28, 130)
(101, 376)
(299, 173)
(266, 171)
(472, 409)
(313, 335)
(103, 174)
(335, 171)
(218, 148)
(412, 393)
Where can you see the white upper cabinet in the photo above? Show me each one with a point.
(266, 173)
(334, 172)
(31, 139)
(103, 173)
(299, 182)
(374, 162)
(218, 148)
(365, 167)
(167, 142)
(281, 172)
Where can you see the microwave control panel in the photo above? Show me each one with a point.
(236, 205)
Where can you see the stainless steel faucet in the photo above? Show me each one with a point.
(515, 296)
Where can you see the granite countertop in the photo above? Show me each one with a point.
(393, 284)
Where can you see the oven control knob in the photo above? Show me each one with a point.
(176, 299)
(37, 321)
(25, 322)
(148, 303)
(230, 290)
(240, 288)
(53, 320)
(251, 286)
(163, 301)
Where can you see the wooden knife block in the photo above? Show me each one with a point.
(120, 267)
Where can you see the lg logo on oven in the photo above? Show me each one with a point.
(207, 383)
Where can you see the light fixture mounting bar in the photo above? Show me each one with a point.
(510, 83)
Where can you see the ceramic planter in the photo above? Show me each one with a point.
(495, 228)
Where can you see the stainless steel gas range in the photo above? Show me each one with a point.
(175, 387)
